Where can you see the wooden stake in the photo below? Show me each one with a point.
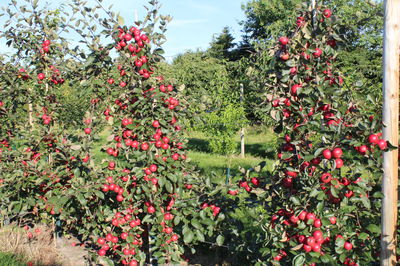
(30, 111)
(313, 13)
(242, 146)
(391, 47)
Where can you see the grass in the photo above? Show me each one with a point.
(259, 146)
(16, 249)
(98, 154)
(7, 259)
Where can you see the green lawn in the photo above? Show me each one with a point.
(259, 146)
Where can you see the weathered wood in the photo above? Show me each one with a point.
(391, 47)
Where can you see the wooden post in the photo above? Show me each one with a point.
(242, 147)
(30, 111)
(391, 47)
(313, 13)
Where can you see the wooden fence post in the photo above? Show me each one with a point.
(242, 146)
(391, 47)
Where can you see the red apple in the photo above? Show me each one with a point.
(284, 40)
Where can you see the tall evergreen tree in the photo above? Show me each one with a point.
(222, 44)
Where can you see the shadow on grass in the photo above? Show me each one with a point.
(259, 150)
(196, 144)
(256, 149)
(221, 171)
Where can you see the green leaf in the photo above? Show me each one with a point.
(108, 261)
(220, 240)
(318, 152)
(373, 228)
(295, 200)
(314, 193)
(291, 63)
(188, 237)
(299, 260)
(99, 194)
(81, 199)
(77, 173)
(365, 201)
(334, 192)
(363, 236)
(200, 236)
(343, 257)
(121, 20)
(196, 224)
(168, 186)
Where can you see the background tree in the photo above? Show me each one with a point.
(360, 39)
(221, 45)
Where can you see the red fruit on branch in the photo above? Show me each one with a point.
(362, 149)
(302, 215)
(41, 76)
(168, 216)
(287, 182)
(233, 192)
(318, 234)
(156, 124)
(348, 246)
(151, 209)
(101, 241)
(255, 181)
(307, 248)
(153, 168)
(294, 88)
(337, 153)
(317, 52)
(316, 248)
(284, 40)
(327, 13)
(310, 216)
(291, 174)
(294, 219)
(317, 223)
(327, 154)
(111, 165)
(382, 144)
(373, 139)
(127, 37)
(326, 177)
(102, 252)
(284, 56)
(339, 163)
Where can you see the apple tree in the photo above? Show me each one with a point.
(323, 196)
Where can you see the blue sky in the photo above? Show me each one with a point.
(194, 21)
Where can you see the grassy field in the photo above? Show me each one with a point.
(259, 146)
